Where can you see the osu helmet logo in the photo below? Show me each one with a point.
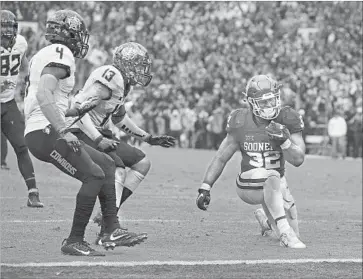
(74, 23)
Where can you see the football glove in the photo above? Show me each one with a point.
(164, 141)
(277, 132)
(70, 140)
(106, 145)
(203, 199)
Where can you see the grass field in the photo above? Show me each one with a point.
(185, 242)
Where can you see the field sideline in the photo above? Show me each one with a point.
(184, 242)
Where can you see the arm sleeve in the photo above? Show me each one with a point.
(293, 120)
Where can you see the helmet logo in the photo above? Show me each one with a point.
(74, 23)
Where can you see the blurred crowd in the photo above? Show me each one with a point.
(204, 53)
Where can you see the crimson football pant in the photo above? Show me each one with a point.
(94, 169)
(12, 127)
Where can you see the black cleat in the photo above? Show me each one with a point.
(33, 200)
(81, 248)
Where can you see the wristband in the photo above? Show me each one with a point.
(98, 140)
(206, 187)
(286, 144)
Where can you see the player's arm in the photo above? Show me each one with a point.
(48, 83)
(225, 152)
(23, 72)
(123, 122)
(86, 100)
(294, 149)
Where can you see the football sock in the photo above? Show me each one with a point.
(107, 197)
(26, 168)
(85, 202)
(292, 218)
(120, 176)
(4, 149)
(274, 202)
(133, 179)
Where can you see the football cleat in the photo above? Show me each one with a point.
(33, 200)
(260, 216)
(121, 237)
(290, 240)
(81, 248)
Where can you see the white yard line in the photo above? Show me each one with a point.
(172, 221)
(179, 263)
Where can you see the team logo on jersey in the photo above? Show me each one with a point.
(249, 138)
(74, 23)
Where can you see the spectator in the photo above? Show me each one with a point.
(357, 131)
(337, 130)
(176, 125)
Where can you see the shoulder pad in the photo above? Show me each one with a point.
(110, 77)
(21, 44)
(58, 55)
(291, 119)
(236, 119)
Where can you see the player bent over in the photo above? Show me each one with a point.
(266, 135)
(51, 79)
(106, 90)
(14, 68)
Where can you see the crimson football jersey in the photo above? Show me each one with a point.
(256, 147)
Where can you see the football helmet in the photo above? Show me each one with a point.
(68, 28)
(9, 29)
(263, 94)
(133, 61)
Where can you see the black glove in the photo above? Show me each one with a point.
(277, 132)
(203, 199)
(164, 141)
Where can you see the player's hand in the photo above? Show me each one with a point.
(71, 140)
(107, 145)
(203, 199)
(164, 141)
(277, 132)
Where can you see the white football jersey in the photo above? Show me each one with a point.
(53, 55)
(110, 77)
(10, 65)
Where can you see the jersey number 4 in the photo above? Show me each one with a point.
(267, 160)
(6, 68)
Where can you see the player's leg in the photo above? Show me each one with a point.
(4, 152)
(107, 197)
(12, 125)
(45, 146)
(269, 182)
(290, 206)
(138, 164)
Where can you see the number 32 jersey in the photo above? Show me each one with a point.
(55, 55)
(255, 145)
(10, 64)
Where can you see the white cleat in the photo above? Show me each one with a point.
(262, 220)
(290, 240)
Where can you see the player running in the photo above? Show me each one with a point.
(266, 135)
(14, 68)
(51, 79)
(107, 88)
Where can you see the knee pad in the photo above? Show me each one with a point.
(19, 150)
(142, 166)
(96, 172)
(273, 180)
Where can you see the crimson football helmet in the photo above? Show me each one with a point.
(133, 61)
(263, 94)
(9, 29)
(68, 28)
